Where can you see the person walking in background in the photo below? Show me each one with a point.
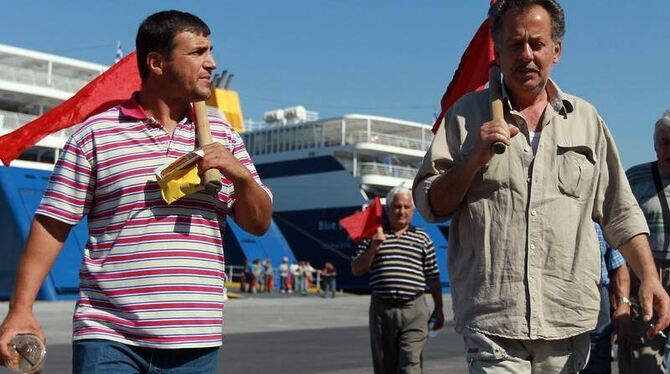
(650, 184)
(296, 280)
(268, 275)
(402, 265)
(257, 273)
(329, 279)
(523, 263)
(246, 277)
(307, 272)
(125, 323)
(249, 276)
(614, 316)
(284, 274)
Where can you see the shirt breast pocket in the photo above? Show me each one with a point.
(576, 169)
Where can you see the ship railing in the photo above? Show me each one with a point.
(40, 78)
(378, 168)
(386, 139)
(337, 132)
(12, 120)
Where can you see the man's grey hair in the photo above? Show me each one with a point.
(500, 7)
(663, 124)
(395, 191)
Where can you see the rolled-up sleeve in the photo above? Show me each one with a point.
(438, 160)
(615, 205)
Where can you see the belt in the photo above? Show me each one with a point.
(398, 301)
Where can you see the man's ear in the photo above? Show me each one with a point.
(156, 63)
(558, 49)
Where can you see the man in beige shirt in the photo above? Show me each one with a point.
(523, 253)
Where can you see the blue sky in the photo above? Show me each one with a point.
(385, 57)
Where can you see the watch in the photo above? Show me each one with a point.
(623, 300)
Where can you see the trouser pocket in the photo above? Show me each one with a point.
(479, 347)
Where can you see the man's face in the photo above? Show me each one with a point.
(190, 65)
(662, 147)
(400, 213)
(527, 52)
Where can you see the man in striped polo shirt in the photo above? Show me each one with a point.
(152, 277)
(401, 261)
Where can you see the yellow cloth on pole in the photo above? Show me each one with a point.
(174, 189)
(180, 177)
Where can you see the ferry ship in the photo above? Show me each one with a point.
(322, 170)
(319, 171)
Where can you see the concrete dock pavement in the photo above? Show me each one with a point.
(279, 333)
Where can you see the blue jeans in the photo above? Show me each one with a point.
(329, 287)
(108, 357)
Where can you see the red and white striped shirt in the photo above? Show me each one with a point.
(152, 274)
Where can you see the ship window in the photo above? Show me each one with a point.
(317, 140)
(29, 155)
(273, 141)
(39, 154)
(287, 139)
(261, 142)
(252, 143)
(283, 137)
(302, 137)
(268, 144)
(291, 139)
(276, 141)
(284, 140)
(357, 130)
(247, 140)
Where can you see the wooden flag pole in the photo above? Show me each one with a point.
(495, 94)
(212, 177)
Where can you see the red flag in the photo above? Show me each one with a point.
(362, 225)
(473, 70)
(110, 88)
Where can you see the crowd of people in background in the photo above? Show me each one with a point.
(297, 277)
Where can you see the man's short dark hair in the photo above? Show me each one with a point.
(500, 7)
(156, 34)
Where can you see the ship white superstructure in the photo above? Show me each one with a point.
(32, 83)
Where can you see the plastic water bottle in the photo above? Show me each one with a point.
(431, 324)
(29, 354)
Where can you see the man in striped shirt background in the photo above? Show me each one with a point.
(401, 261)
(152, 277)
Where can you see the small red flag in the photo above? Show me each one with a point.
(363, 225)
(110, 88)
(473, 70)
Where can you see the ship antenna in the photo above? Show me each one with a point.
(227, 84)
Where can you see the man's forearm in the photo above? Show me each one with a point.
(448, 190)
(620, 282)
(361, 264)
(253, 206)
(637, 253)
(435, 291)
(620, 285)
(44, 243)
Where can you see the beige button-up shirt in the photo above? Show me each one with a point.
(524, 259)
